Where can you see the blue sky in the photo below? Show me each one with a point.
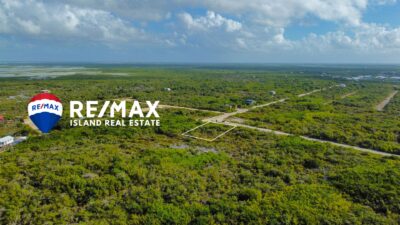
(204, 31)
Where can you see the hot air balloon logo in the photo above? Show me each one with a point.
(45, 111)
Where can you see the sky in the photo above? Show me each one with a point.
(200, 31)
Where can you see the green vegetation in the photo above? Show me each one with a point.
(330, 116)
(154, 175)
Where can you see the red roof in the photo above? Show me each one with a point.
(1, 117)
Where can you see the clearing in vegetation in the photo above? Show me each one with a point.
(209, 131)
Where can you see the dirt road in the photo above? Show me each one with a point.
(224, 116)
(386, 101)
(348, 95)
(221, 119)
(311, 139)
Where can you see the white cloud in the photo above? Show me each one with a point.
(33, 17)
(367, 38)
(267, 12)
(251, 25)
(283, 12)
(210, 21)
(241, 43)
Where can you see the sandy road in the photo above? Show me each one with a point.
(341, 97)
(221, 120)
(386, 101)
(348, 95)
(224, 116)
(309, 93)
(310, 139)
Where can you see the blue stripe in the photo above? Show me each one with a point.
(45, 121)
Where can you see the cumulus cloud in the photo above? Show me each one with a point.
(268, 12)
(252, 25)
(35, 18)
(281, 13)
(210, 21)
(367, 38)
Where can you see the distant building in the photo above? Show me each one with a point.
(2, 119)
(45, 91)
(250, 101)
(167, 89)
(7, 140)
(272, 92)
(342, 85)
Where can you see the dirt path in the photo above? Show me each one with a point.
(224, 116)
(386, 101)
(341, 97)
(308, 93)
(221, 120)
(348, 95)
(311, 139)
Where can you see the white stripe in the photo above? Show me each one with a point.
(38, 104)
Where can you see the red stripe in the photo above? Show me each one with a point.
(45, 96)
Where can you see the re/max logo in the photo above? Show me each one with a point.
(44, 106)
(110, 108)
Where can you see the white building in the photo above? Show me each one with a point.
(342, 85)
(7, 140)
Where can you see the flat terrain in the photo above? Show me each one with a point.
(306, 150)
(328, 116)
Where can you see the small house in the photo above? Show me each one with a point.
(342, 85)
(45, 91)
(7, 140)
(250, 101)
(2, 119)
(167, 89)
(272, 92)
